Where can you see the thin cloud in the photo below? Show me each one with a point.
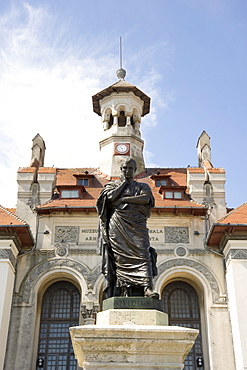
(46, 86)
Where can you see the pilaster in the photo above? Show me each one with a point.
(235, 253)
(8, 254)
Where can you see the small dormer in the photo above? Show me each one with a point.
(161, 180)
(84, 179)
(70, 192)
(173, 192)
(168, 188)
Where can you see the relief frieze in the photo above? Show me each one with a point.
(182, 262)
(236, 254)
(68, 234)
(176, 234)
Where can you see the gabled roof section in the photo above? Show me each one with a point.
(121, 86)
(177, 175)
(9, 218)
(13, 227)
(235, 222)
(68, 176)
(236, 216)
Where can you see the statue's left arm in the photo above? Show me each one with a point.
(145, 197)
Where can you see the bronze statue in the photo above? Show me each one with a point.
(128, 262)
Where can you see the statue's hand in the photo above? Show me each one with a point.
(124, 183)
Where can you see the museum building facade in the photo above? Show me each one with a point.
(50, 265)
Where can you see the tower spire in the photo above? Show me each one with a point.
(121, 73)
(121, 53)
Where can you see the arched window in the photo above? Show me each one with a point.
(60, 310)
(182, 307)
(122, 119)
(111, 120)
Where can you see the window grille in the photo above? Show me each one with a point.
(182, 307)
(60, 310)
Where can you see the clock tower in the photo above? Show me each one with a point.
(121, 107)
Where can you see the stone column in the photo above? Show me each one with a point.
(89, 311)
(8, 254)
(115, 120)
(235, 253)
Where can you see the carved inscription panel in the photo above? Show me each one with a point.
(156, 235)
(76, 234)
(89, 235)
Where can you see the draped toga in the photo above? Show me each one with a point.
(124, 239)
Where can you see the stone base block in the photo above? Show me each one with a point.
(132, 317)
(132, 347)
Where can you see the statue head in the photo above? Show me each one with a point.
(128, 168)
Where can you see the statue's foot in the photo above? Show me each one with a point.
(148, 292)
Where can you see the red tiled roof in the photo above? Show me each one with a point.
(234, 221)
(41, 169)
(201, 170)
(65, 177)
(8, 218)
(236, 216)
(12, 210)
(121, 86)
(13, 226)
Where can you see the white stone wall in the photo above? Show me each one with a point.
(7, 274)
(24, 208)
(195, 183)
(181, 256)
(236, 277)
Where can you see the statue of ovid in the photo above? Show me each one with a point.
(128, 260)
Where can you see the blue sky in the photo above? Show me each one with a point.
(189, 56)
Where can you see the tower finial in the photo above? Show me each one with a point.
(121, 53)
(121, 73)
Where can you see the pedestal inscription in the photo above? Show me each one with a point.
(135, 303)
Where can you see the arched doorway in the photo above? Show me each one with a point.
(60, 310)
(182, 306)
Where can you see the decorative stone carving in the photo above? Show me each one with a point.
(165, 251)
(191, 252)
(67, 234)
(237, 254)
(180, 251)
(89, 311)
(8, 254)
(61, 250)
(82, 251)
(197, 267)
(93, 276)
(42, 252)
(34, 199)
(39, 270)
(198, 251)
(176, 234)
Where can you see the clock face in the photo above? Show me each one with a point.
(122, 148)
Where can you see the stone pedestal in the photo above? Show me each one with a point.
(133, 339)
